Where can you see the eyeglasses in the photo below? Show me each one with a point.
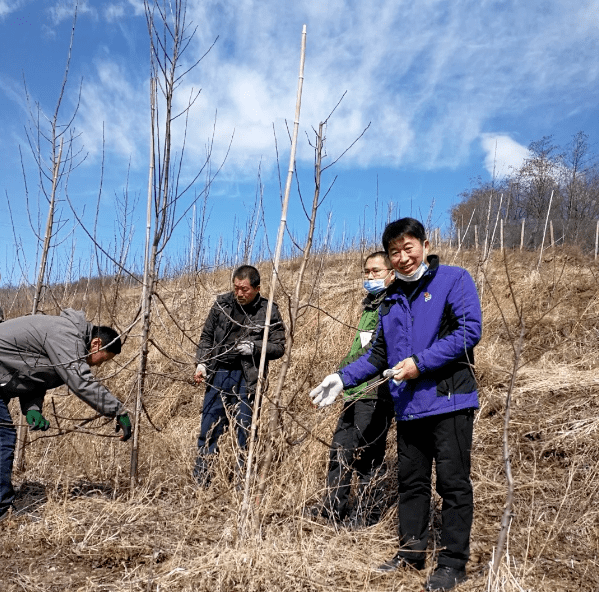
(376, 272)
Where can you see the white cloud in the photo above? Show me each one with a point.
(65, 10)
(503, 155)
(429, 77)
(113, 12)
(137, 5)
(111, 107)
(9, 6)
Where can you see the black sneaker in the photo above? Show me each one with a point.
(399, 562)
(445, 578)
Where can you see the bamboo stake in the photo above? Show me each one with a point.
(522, 234)
(545, 231)
(551, 233)
(487, 232)
(501, 234)
(245, 507)
(463, 238)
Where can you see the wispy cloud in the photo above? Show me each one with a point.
(432, 78)
(65, 10)
(9, 6)
(113, 11)
(111, 110)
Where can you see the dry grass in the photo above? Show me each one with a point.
(79, 527)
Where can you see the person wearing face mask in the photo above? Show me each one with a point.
(430, 322)
(360, 438)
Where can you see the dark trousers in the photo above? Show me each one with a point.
(8, 439)
(447, 439)
(226, 393)
(358, 445)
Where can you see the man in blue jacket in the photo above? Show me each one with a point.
(430, 322)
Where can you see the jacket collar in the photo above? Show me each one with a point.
(373, 301)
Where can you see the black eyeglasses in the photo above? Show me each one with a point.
(376, 272)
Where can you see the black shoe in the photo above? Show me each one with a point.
(399, 562)
(445, 578)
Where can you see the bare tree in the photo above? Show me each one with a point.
(52, 142)
(170, 36)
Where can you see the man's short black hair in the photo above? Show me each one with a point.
(380, 254)
(110, 339)
(247, 272)
(397, 229)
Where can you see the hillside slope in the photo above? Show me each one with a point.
(80, 527)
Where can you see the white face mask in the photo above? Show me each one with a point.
(374, 286)
(415, 276)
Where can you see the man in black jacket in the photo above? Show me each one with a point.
(228, 357)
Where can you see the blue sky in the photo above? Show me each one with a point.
(451, 90)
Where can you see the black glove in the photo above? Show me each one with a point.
(36, 420)
(123, 423)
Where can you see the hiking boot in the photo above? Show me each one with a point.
(399, 562)
(445, 578)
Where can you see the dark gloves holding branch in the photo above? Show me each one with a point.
(123, 423)
(36, 420)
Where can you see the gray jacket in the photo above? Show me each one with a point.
(42, 352)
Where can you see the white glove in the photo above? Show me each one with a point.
(390, 373)
(327, 391)
(201, 371)
(245, 348)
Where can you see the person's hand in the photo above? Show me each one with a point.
(404, 370)
(245, 348)
(36, 420)
(200, 374)
(123, 423)
(327, 391)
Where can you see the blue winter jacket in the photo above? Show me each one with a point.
(438, 326)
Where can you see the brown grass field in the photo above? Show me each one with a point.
(78, 526)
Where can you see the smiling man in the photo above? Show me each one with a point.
(228, 357)
(41, 352)
(429, 323)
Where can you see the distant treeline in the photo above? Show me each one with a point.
(554, 183)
